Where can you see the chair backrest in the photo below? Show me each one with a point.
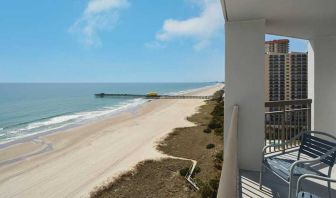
(315, 147)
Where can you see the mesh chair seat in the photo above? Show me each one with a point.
(282, 166)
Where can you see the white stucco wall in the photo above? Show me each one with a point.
(244, 86)
(324, 83)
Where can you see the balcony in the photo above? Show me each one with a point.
(247, 22)
(283, 120)
(274, 187)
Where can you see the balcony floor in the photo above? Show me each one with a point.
(275, 187)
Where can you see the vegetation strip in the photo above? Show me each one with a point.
(165, 178)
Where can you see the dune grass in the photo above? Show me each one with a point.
(164, 178)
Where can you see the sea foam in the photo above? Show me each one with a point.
(63, 121)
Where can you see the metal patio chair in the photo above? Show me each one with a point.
(321, 152)
(303, 194)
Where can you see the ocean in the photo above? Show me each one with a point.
(28, 109)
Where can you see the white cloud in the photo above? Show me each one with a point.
(202, 28)
(98, 15)
(155, 45)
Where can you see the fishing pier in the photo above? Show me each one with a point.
(152, 96)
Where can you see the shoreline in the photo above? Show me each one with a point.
(20, 140)
(103, 150)
(32, 137)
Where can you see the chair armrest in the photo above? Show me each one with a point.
(302, 177)
(312, 161)
(316, 160)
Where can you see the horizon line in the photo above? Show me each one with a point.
(215, 81)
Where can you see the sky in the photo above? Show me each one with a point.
(113, 41)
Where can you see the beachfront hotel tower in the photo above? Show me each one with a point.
(285, 72)
(277, 46)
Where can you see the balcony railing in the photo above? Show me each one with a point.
(284, 120)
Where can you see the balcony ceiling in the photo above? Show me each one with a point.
(296, 18)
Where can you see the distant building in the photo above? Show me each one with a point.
(285, 72)
(277, 46)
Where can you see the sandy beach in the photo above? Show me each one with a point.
(71, 163)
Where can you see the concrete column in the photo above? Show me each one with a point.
(324, 93)
(311, 81)
(244, 86)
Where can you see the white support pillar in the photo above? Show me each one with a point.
(311, 81)
(244, 86)
(324, 77)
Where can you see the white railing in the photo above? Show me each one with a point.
(228, 186)
(190, 173)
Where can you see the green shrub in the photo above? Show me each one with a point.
(218, 119)
(207, 192)
(209, 189)
(210, 146)
(218, 165)
(199, 182)
(214, 124)
(219, 131)
(184, 171)
(218, 96)
(197, 169)
(218, 110)
(219, 156)
(207, 130)
(214, 183)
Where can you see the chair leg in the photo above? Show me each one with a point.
(290, 189)
(261, 177)
(329, 189)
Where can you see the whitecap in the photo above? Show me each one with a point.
(51, 121)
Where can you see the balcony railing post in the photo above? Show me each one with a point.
(283, 114)
(309, 116)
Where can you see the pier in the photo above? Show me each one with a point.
(148, 96)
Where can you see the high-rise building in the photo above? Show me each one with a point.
(285, 72)
(277, 46)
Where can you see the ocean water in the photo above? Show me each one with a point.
(30, 109)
